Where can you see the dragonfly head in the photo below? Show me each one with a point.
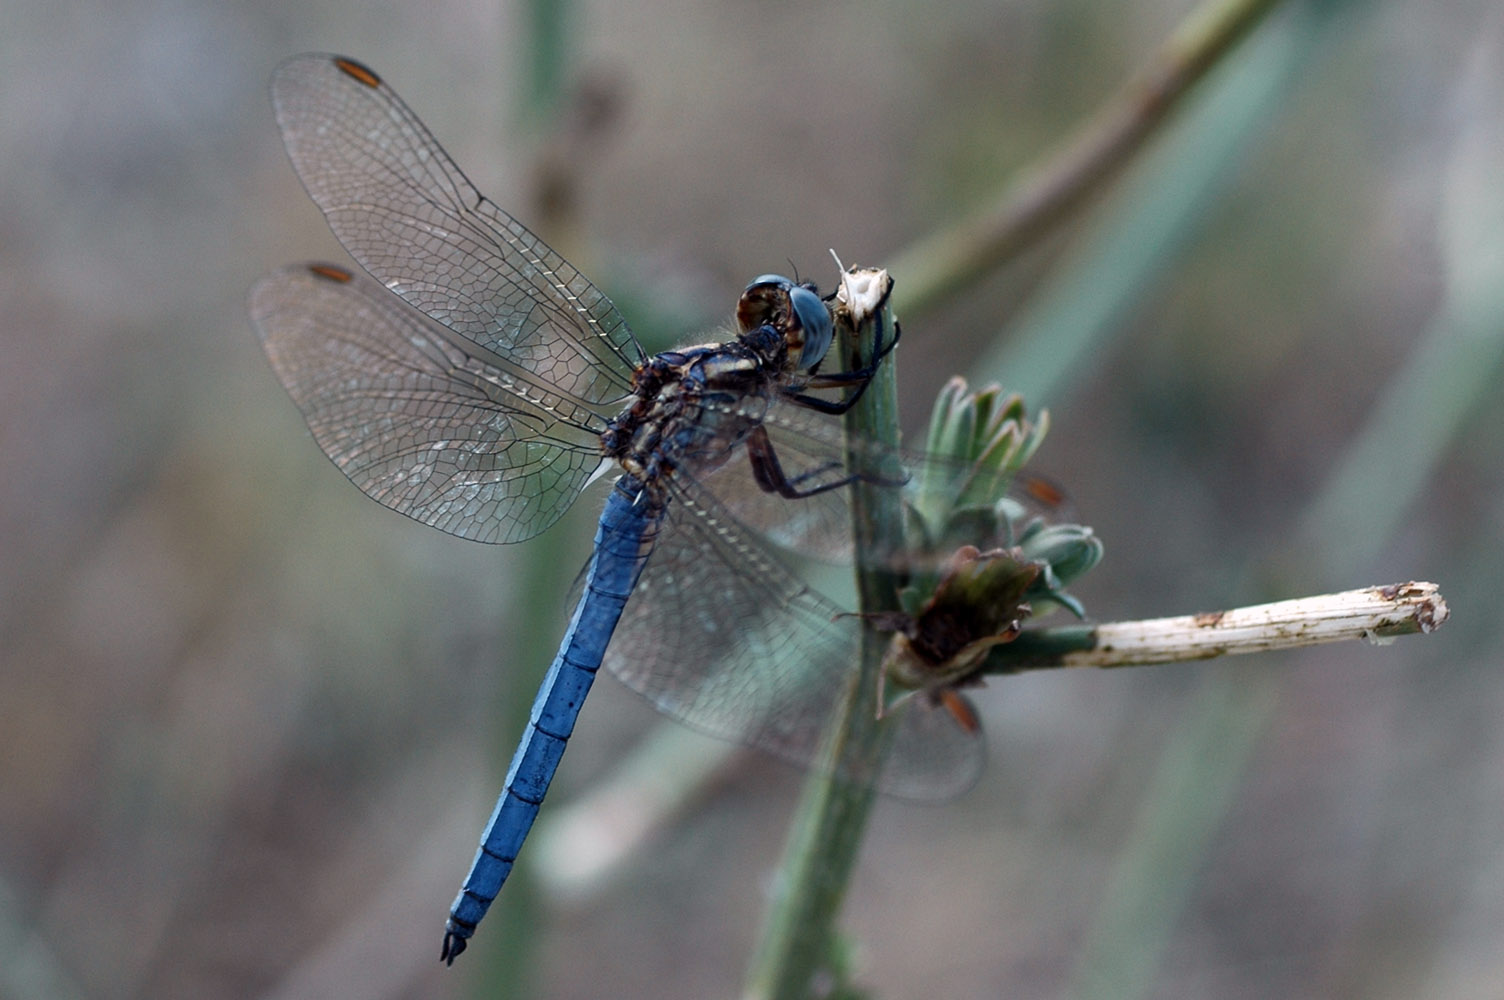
(793, 309)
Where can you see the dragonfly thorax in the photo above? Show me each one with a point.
(697, 404)
(692, 405)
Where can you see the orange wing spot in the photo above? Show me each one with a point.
(352, 68)
(960, 710)
(331, 273)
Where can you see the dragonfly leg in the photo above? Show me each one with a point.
(770, 477)
(859, 377)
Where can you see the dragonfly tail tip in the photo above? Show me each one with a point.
(453, 945)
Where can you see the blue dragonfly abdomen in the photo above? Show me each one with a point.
(623, 541)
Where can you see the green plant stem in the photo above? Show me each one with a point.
(938, 265)
(798, 941)
(545, 57)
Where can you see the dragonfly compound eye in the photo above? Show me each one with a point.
(815, 319)
(764, 296)
(772, 294)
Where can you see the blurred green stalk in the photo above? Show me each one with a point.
(1155, 214)
(1198, 775)
(544, 53)
(1061, 183)
(1454, 365)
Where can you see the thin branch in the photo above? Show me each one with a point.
(1377, 614)
(1031, 206)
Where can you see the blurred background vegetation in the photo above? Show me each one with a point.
(251, 722)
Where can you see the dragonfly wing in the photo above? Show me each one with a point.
(811, 455)
(811, 449)
(407, 213)
(422, 420)
(722, 636)
(932, 756)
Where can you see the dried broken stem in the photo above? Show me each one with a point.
(1377, 614)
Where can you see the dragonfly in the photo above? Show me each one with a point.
(469, 377)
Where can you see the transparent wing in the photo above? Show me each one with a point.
(720, 635)
(811, 449)
(932, 756)
(412, 219)
(424, 421)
